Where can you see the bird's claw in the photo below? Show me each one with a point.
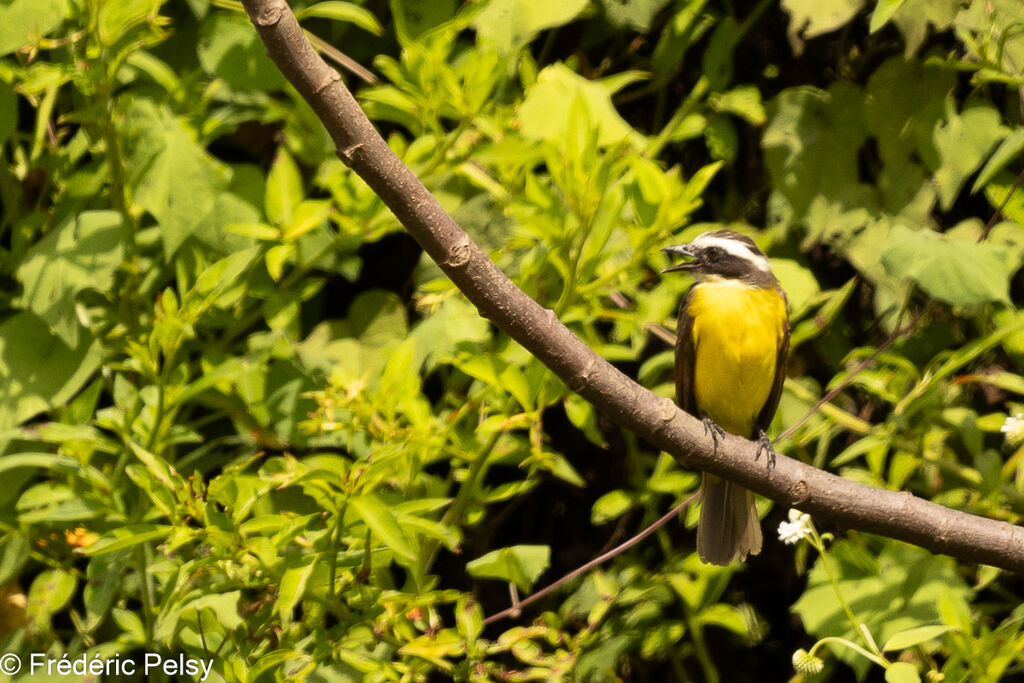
(764, 445)
(714, 430)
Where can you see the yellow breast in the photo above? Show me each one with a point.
(737, 331)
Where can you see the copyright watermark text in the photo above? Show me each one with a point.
(82, 665)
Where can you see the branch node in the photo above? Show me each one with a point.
(330, 78)
(270, 13)
(348, 154)
(798, 494)
(459, 254)
(579, 381)
(668, 410)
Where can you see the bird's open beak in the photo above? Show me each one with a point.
(685, 250)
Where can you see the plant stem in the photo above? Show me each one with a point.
(453, 515)
(853, 646)
(146, 589)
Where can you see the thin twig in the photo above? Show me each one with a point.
(341, 59)
(834, 391)
(999, 212)
(597, 561)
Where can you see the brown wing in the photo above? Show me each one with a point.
(764, 418)
(685, 357)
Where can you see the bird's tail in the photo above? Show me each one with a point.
(729, 528)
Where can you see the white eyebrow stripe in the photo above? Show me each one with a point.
(733, 247)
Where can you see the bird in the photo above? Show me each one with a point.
(732, 342)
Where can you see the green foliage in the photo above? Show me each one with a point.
(238, 423)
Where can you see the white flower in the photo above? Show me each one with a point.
(798, 527)
(1013, 427)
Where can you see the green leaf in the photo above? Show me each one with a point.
(904, 102)
(1008, 151)
(229, 49)
(902, 672)
(223, 605)
(720, 137)
(495, 371)
(884, 11)
(454, 323)
(277, 258)
(518, 564)
(308, 215)
(469, 618)
(293, 587)
(611, 505)
(127, 537)
(343, 11)
(8, 111)
(103, 578)
(954, 271)
(718, 57)
(160, 494)
(962, 143)
(545, 111)
(162, 471)
(171, 175)
(436, 648)
(913, 18)
(284, 189)
(743, 101)
(637, 15)
(448, 535)
(914, 636)
(259, 231)
(727, 616)
(413, 18)
(811, 18)
(26, 21)
(67, 511)
(14, 552)
(82, 254)
(687, 25)
(661, 636)
(382, 523)
(810, 146)
(506, 25)
(57, 463)
(156, 69)
(377, 318)
(50, 591)
(799, 283)
(38, 368)
(115, 20)
(130, 624)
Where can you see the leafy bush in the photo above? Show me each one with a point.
(243, 419)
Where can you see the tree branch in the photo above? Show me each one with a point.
(894, 514)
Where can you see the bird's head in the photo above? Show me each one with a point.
(723, 254)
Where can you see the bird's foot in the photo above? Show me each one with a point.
(712, 429)
(764, 445)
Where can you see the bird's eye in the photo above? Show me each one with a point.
(713, 253)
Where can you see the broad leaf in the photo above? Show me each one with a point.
(519, 564)
(172, 176)
(81, 254)
(951, 270)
